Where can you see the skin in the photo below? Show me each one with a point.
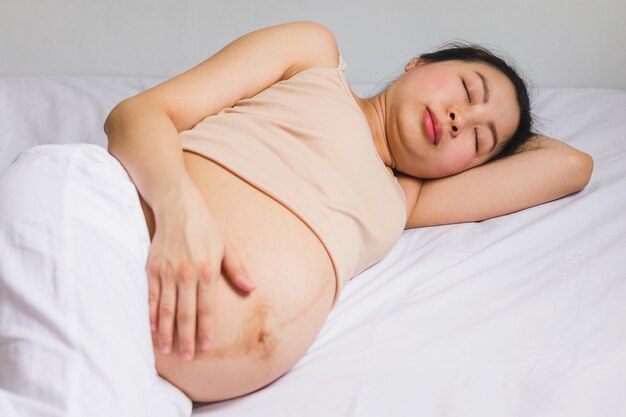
(396, 120)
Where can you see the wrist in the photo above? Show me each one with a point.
(174, 196)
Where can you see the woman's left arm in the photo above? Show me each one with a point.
(546, 170)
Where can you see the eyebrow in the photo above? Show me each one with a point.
(485, 87)
(491, 125)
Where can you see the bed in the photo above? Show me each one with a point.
(521, 315)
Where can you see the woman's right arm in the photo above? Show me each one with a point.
(143, 130)
(143, 136)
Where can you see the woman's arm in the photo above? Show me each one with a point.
(143, 130)
(546, 170)
(187, 250)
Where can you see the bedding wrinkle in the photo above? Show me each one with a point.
(82, 224)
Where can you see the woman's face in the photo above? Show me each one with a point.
(445, 117)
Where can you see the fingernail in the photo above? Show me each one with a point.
(153, 327)
(164, 348)
(205, 344)
(186, 355)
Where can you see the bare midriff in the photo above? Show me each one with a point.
(258, 336)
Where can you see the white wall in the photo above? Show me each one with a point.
(577, 43)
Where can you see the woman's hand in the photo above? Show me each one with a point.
(187, 253)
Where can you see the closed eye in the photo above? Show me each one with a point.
(469, 99)
(476, 136)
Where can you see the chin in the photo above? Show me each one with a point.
(431, 172)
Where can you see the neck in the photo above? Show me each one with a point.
(374, 110)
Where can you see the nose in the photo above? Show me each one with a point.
(456, 122)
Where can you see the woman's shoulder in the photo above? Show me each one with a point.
(320, 44)
(243, 68)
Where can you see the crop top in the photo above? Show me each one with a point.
(305, 142)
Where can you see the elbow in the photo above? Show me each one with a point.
(129, 111)
(113, 118)
(122, 112)
(580, 167)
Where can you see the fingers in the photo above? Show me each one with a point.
(167, 309)
(183, 301)
(235, 270)
(177, 309)
(206, 302)
(154, 291)
(186, 312)
(184, 298)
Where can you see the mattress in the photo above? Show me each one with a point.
(520, 315)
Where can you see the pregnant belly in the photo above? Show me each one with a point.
(269, 239)
(295, 283)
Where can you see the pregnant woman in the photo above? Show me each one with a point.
(266, 184)
(283, 177)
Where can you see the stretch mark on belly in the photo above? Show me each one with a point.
(314, 301)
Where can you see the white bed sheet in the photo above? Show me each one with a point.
(522, 315)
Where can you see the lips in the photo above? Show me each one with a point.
(432, 127)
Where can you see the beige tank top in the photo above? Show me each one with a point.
(305, 143)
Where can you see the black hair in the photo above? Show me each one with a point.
(468, 52)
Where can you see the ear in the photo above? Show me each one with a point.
(412, 64)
